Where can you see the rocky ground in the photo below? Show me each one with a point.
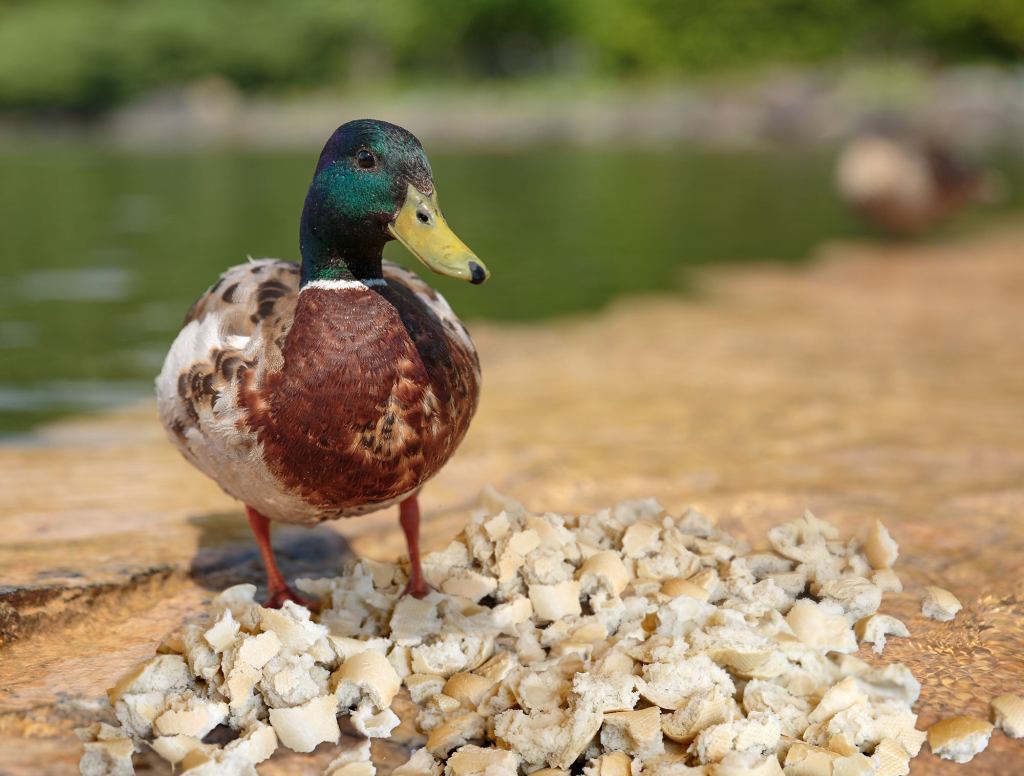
(886, 381)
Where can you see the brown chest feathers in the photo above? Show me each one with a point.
(373, 397)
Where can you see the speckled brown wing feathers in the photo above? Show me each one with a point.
(252, 305)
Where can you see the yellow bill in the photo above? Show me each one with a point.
(421, 228)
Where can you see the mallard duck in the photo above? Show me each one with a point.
(340, 386)
(904, 183)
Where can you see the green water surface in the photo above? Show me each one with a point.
(102, 252)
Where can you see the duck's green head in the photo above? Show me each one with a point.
(373, 184)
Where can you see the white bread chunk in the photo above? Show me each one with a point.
(891, 682)
(175, 748)
(747, 764)
(641, 539)
(537, 737)
(346, 646)
(415, 619)
(874, 629)
(438, 566)
(191, 717)
(497, 667)
(604, 570)
(614, 763)
(637, 733)
(467, 688)
(553, 602)
(855, 764)
(302, 728)
(210, 761)
(706, 707)
(582, 725)
(373, 722)
(939, 604)
(469, 584)
(366, 676)
(790, 709)
(605, 692)
(256, 744)
(293, 627)
(291, 679)
(839, 696)
(823, 626)
(858, 597)
(887, 581)
(111, 757)
(879, 547)
(806, 760)
(508, 615)
(241, 601)
(143, 693)
(890, 759)
(256, 651)
(163, 674)
(384, 573)
(401, 660)
(676, 586)
(354, 761)
(450, 654)
(959, 738)
(420, 763)
(472, 760)
(455, 732)
(223, 632)
(1008, 714)
(759, 733)
(669, 685)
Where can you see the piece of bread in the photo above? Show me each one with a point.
(637, 733)
(879, 547)
(373, 722)
(1008, 714)
(553, 602)
(472, 760)
(614, 763)
(368, 675)
(959, 738)
(890, 758)
(939, 604)
(454, 732)
(420, 763)
(302, 728)
(603, 570)
(107, 758)
(875, 628)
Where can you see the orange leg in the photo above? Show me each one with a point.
(409, 516)
(277, 588)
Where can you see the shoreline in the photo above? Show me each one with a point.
(980, 108)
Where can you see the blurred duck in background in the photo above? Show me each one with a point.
(905, 183)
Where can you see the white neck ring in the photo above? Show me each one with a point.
(337, 285)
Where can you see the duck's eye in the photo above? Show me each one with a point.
(365, 159)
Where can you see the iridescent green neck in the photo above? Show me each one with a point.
(348, 207)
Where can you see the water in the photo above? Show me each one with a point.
(101, 253)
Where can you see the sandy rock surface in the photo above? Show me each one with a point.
(884, 382)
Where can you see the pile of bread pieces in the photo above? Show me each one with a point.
(622, 643)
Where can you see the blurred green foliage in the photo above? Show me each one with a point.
(87, 55)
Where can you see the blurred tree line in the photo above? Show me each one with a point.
(88, 55)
